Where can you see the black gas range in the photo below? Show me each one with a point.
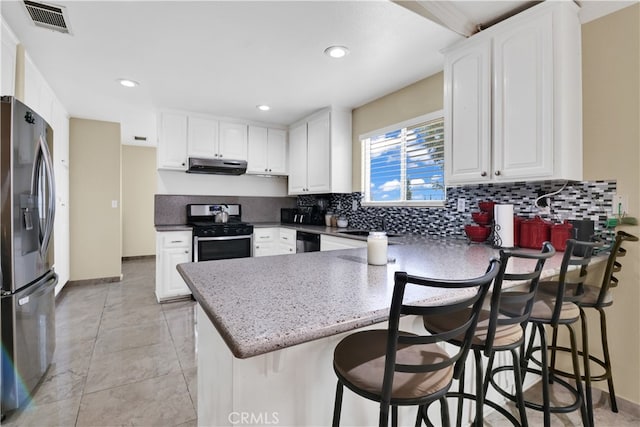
(218, 232)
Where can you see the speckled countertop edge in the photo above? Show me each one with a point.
(239, 295)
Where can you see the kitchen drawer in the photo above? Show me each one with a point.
(176, 239)
(288, 237)
(262, 235)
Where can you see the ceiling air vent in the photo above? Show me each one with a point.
(48, 16)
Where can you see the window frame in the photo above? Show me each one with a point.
(363, 159)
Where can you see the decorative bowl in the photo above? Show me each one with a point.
(482, 218)
(477, 233)
(487, 207)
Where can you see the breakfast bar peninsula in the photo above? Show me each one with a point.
(267, 327)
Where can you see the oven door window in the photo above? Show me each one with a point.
(209, 249)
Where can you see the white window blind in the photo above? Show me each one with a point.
(405, 164)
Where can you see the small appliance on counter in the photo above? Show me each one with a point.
(304, 215)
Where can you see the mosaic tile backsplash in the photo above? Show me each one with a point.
(578, 200)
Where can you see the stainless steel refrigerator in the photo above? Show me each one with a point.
(27, 212)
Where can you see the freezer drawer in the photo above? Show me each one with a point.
(28, 338)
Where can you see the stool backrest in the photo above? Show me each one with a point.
(577, 253)
(613, 266)
(475, 291)
(510, 307)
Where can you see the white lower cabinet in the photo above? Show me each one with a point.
(287, 241)
(172, 248)
(332, 243)
(273, 241)
(265, 242)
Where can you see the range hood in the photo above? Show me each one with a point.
(217, 166)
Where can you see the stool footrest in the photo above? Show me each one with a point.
(503, 411)
(536, 406)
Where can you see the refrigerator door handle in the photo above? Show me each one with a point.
(36, 289)
(44, 157)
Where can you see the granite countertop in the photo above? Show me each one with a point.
(259, 305)
(176, 227)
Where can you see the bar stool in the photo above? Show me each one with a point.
(554, 310)
(394, 367)
(501, 328)
(597, 298)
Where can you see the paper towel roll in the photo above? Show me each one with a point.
(503, 216)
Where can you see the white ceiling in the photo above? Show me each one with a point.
(224, 58)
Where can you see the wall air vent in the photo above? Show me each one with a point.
(48, 16)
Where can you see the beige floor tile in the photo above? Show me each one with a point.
(191, 377)
(186, 349)
(128, 337)
(129, 366)
(160, 401)
(59, 413)
(118, 317)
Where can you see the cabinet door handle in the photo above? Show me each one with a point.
(220, 155)
(285, 238)
(266, 170)
(483, 174)
(290, 250)
(269, 170)
(186, 252)
(257, 247)
(176, 241)
(183, 164)
(497, 173)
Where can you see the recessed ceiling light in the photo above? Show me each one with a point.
(263, 107)
(337, 51)
(128, 83)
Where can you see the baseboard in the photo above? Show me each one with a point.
(601, 400)
(97, 281)
(137, 258)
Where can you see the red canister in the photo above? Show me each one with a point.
(534, 232)
(517, 222)
(560, 233)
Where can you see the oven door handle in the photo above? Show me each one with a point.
(197, 239)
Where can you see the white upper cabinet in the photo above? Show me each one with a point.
(267, 151)
(183, 135)
(298, 159)
(172, 143)
(513, 100)
(233, 141)
(320, 153)
(203, 138)
(468, 112)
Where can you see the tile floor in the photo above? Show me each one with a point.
(123, 359)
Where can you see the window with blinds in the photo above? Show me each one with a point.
(404, 164)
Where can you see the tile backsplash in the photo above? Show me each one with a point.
(577, 200)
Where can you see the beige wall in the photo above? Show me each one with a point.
(94, 172)
(420, 98)
(611, 117)
(138, 189)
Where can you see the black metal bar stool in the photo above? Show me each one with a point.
(394, 367)
(597, 298)
(501, 328)
(553, 310)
